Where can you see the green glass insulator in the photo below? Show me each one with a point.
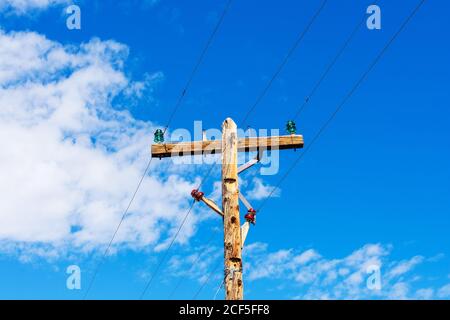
(159, 136)
(291, 127)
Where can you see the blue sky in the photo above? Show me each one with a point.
(372, 190)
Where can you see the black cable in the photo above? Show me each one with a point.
(330, 66)
(117, 229)
(197, 259)
(285, 60)
(166, 251)
(177, 105)
(173, 239)
(197, 65)
(212, 272)
(222, 282)
(346, 98)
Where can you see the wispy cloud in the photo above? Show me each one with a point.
(317, 277)
(21, 7)
(444, 292)
(258, 190)
(405, 266)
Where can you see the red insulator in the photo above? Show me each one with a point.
(197, 195)
(251, 216)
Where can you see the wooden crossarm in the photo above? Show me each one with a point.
(212, 147)
(234, 234)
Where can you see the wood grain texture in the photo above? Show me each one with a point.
(229, 146)
(234, 286)
(212, 147)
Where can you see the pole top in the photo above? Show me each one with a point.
(229, 123)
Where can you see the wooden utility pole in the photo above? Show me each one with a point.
(230, 206)
(234, 234)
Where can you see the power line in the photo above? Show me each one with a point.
(259, 98)
(167, 251)
(329, 67)
(222, 282)
(284, 62)
(291, 51)
(205, 282)
(117, 229)
(339, 107)
(197, 259)
(198, 63)
(177, 105)
(161, 261)
(344, 101)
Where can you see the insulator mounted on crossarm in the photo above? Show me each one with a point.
(197, 195)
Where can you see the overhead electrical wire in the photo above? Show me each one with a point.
(283, 63)
(344, 101)
(196, 260)
(166, 252)
(198, 63)
(222, 282)
(333, 115)
(175, 109)
(331, 118)
(205, 282)
(330, 67)
(177, 105)
(162, 260)
(319, 133)
(292, 49)
(117, 230)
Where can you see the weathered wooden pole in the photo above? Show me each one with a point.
(234, 286)
(229, 147)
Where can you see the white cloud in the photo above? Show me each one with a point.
(261, 191)
(404, 266)
(206, 258)
(306, 257)
(444, 292)
(318, 277)
(21, 7)
(255, 247)
(70, 159)
(425, 294)
(399, 291)
(271, 266)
